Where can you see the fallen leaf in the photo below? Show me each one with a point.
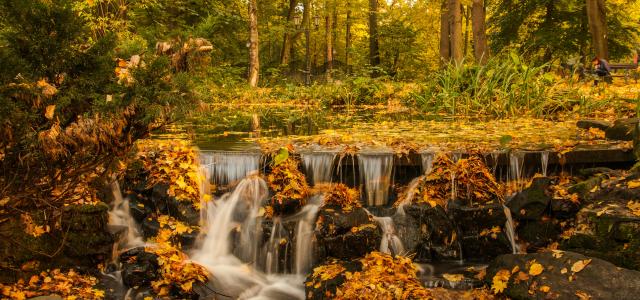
(453, 277)
(49, 111)
(579, 265)
(536, 269)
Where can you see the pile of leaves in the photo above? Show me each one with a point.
(288, 182)
(343, 196)
(383, 277)
(468, 180)
(174, 163)
(176, 271)
(69, 286)
(170, 229)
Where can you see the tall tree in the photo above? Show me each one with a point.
(374, 42)
(285, 56)
(455, 30)
(445, 42)
(596, 13)
(254, 55)
(480, 48)
(329, 39)
(347, 44)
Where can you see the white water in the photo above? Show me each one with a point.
(228, 167)
(231, 275)
(516, 166)
(511, 233)
(390, 242)
(319, 166)
(304, 237)
(427, 162)
(544, 159)
(120, 215)
(375, 172)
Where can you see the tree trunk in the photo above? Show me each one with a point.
(455, 31)
(306, 19)
(285, 56)
(374, 46)
(347, 47)
(254, 56)
(596, 13)
(481, 50)
(445, 43)
(467, 20)
(329, 41)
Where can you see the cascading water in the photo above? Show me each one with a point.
(304, 237)
(228, 167)
(516, 166)
(120, 215)
(375, 173)
(390, 242)
(510, 230)
(427, 162)
(319, 166)
(230, 273)
(544, 160)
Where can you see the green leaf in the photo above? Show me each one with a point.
(504, 140)
(282, 155)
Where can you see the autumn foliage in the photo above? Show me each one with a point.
(288, 182)
(343, 196)
(70, 286)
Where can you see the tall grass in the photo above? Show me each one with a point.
(505, 86)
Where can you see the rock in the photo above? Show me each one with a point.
(586, 124)
(345, 235)
(584, 187)
(476, 230)
(622, 130)
(564, 209)
(532, 202)
(427, 231)
(608, 231)
(599, 279)
(287, 207)
(539, 234)
(139, 268)
(327, 288)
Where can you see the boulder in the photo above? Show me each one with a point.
(428, 232)
(622, 130)
(345, 235)
(598, 280)
(533, 202)
(586, 124)
(139, 268)
(482, 230)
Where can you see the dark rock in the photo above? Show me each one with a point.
(539, 234)
(345, 235)
(532, 202)
(590, 172)
(608, 231)
(622, 130)
(564, 209)
(287, 207)
(599, 279)
(326, 289)
(428, 232)
(584, 187)
(474, 226)
(586, 124)
(139, 268)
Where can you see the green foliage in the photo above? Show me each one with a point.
(505, 86)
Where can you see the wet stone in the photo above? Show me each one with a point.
(599, 279)
(428, 232)
(139, 268)
(533, 202)
(345, 235)
(622, 130)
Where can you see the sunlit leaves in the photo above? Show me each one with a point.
(175, 270)
(535, 269)
(70, 286)
(343, 196)
(500, 281)
(580, 265)
(288, 182)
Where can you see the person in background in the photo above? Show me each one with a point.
(601, 68)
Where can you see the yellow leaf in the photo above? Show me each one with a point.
(49, 111)
(633, 184)
(545, 289)
(583, 295)
(180, 182)
(453, 277)
(579, 265)
(564, 271)
(536, 269)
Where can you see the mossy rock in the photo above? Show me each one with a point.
(86, 218)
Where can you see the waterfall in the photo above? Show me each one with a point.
(236, 278)
(516, 166)
(375, 173)
(272, 260)
(228, 167)
(544, 158)
(304, 237)
(319, 166)
(510, 230)
(390, 242)
(120, 215)
(427, 162)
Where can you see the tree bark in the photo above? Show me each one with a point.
(285, 55)
(596, 14)
(347, 47)
(445, 43)
(374, 44)
(481, 50)
(254, 56)
(329, 41)
(455, 31)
